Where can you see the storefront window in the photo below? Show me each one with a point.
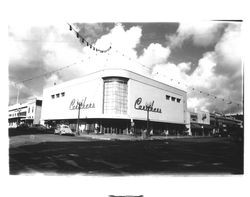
(115, 95)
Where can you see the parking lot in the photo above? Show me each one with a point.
(48, 153)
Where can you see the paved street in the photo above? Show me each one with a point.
(47, 153)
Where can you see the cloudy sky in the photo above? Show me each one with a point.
(203, 58)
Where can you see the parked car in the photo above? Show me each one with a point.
(63, 130)
(22, 127)
(39, 127)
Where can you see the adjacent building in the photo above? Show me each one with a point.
(199, 123)
(116, 101)
(224, 125)
(119, 101)
(28, 113)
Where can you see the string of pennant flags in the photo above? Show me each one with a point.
(84, 41)
(205, 93)
(228, 101)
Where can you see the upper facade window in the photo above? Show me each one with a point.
(115, 95)
(58, 95)
(194, 117)
(178, 100)
(22, 114)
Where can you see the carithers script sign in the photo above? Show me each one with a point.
(146, 107)
(83, 104)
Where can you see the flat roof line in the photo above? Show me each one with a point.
(107, 69)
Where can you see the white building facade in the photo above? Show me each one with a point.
(198, 123)
(115, 101)
(28, 113)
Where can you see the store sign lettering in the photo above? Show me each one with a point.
(204, 116)
(144, 107)
(83, 104)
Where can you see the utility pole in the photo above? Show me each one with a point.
(148, 105)
(147, 119)
(79, 109)
(17, 101)
(17, 98)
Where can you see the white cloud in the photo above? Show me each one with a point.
(59, 47)
(203, 75)
(184, 67)
(220, 72)
(170, 74)
(229, 49)
(17, 51)
(195, 103)
(154, 54)
(58, 55)
(46, 48)
(122, 54)
(16, 85)
(202, 33)
(53, 80)
(121, 40)
(22, 91)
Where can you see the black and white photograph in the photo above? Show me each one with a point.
(126, 98)
(125, 106)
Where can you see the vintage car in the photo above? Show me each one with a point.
(63, 130)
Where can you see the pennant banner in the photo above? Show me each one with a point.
(83, 40)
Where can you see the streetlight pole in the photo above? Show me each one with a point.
(147, 119)
(79, 109)
(17, 98)
(18, 113)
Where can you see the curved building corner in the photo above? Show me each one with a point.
(116, 101)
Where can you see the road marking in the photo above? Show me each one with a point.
(188, 165)
(217, 164)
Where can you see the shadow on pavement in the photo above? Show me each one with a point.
(128, 157)
(28, 131)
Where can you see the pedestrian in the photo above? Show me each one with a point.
(144, 133)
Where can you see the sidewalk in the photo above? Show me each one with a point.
(133, 138)
(111, 137)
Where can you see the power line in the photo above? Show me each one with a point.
(83, 40)
(53, 41)
(47, 73)
(229, 101)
